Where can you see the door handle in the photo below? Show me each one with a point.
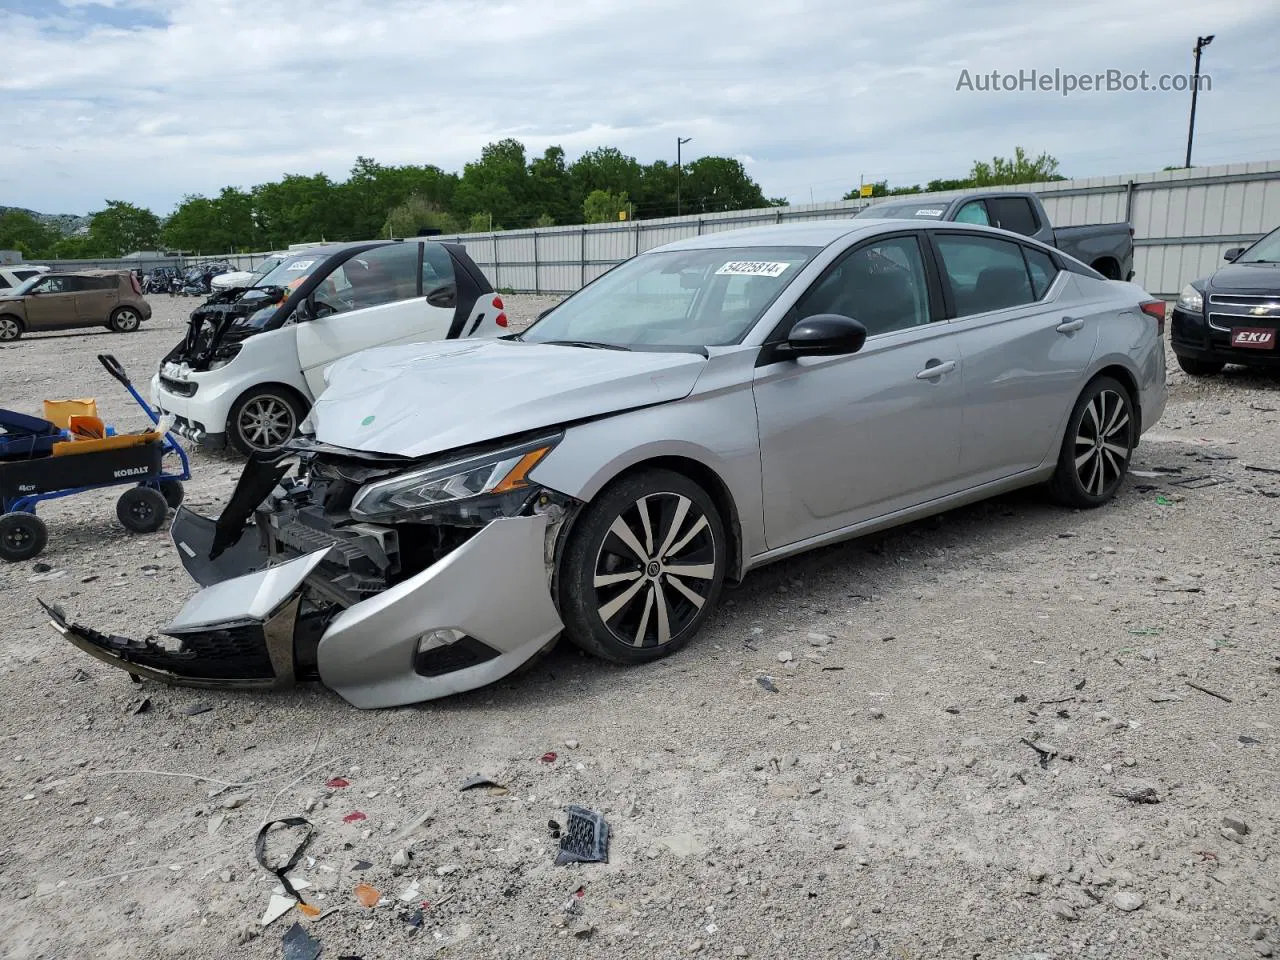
(1070, 325)
(936, 369)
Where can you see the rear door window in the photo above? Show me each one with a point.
(985, 273)
(1014, 214)
(975, 211)
(437, 268)
(1042, 269)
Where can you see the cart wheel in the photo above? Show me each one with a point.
(141, 510)
(172, 492)
(22, 536)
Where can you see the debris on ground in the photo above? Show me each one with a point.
(300, 945)
(366, 895)
(142, 706)
(1213, 693)
(549, 757)
(277, 907)
(355, 816)
(585, 838)
(1136, 793)
(480, 781)
(1127, 902)
(767, 683)
(337, 783)
(281, 873)
(197, 708)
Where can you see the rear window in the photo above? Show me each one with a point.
(904, 211)
(25, 274)
(1013, 214)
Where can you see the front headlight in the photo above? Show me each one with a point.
(1191, 299)
(499, 474)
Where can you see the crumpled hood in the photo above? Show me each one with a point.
(1262, 277)
(426, 398)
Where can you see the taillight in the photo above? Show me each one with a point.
(501, 320)
(497, 302)
(1157, 310)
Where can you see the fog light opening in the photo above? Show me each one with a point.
(434, 639)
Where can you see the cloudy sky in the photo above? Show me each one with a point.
(146, 100)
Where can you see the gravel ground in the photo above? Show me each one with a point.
(957, 706)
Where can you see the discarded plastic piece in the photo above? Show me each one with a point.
(767, 683)
(366, 895)
(554, 827)
(585, 838)
(277, 907)
(412, 917)
(479, 781)
(281, 873)
(1139, 793)
(300, 945)
(362, 865)
(549, 757)
(308, 911)
(1164, 502)
(197, 708)
(354, 816)
(142, 707)
(337, 782)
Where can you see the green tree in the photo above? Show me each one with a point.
(551, 188)
(601, 206)
(415, 214)
(1019, 169)
(607, 169)
(23, 232)
(545, 220)
(712, 184)
(123, 228)
(497, 183)
(482, 222)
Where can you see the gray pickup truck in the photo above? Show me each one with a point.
(1107, 247)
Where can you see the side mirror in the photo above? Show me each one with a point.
(446, 296)
(303, 312)
(825, 335)
(1233, 253)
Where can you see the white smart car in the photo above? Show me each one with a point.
(253, 360)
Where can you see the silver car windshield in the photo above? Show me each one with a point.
(675, 299)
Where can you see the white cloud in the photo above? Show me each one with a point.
(164, 98)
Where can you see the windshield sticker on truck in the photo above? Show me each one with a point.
(929, 213)
(752, 268)
(300, 265)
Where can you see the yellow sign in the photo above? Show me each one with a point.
(866, 190)
(622, 214)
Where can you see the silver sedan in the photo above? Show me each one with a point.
(700, 410)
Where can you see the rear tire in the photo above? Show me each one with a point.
(22, 536)
(643, 567)
(1200, 368)
(1100, 437)
(142, 510)
(10, 328)
(125, 320)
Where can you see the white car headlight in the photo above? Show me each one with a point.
(490, 475)
(1191, 299)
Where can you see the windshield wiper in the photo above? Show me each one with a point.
(589, 344)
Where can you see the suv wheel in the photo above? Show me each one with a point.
(643, 568)
(10, 328)
(125, 320)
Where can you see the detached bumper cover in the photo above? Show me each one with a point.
(249, 632)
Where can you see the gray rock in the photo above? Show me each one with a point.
(741, 951)
(226, 876)
(1263, 949)
(785, 656)
(583, 929)
(1063, 910)
(1126, 901)
(571, 744)
(400, 859)
(1257, 932)
(1236, 825)
(875, 713)
(234, 801)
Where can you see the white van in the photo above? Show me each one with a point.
(253, 360)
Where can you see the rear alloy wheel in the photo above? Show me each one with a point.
(1100, 438)
(643, 568)
(125, 320)
(1200, 368)
(10, 328)
(263, 420)
(22, 536)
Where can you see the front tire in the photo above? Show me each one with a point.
(10, 328)
(263, 420)
(1200, 368)
(1101, 435)
(643, 568)
(125, 320)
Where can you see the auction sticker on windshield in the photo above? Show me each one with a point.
(300, 265)
(752, 268)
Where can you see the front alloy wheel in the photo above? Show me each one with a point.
(1101, 435)
(263, 421)
(643, 568)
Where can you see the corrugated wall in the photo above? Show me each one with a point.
(1184, 220)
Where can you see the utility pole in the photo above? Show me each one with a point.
(1201, 43)
(680, 142)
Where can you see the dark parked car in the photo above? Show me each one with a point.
(1232, 315)
(65, 301)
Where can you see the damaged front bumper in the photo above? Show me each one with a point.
(469, 618)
